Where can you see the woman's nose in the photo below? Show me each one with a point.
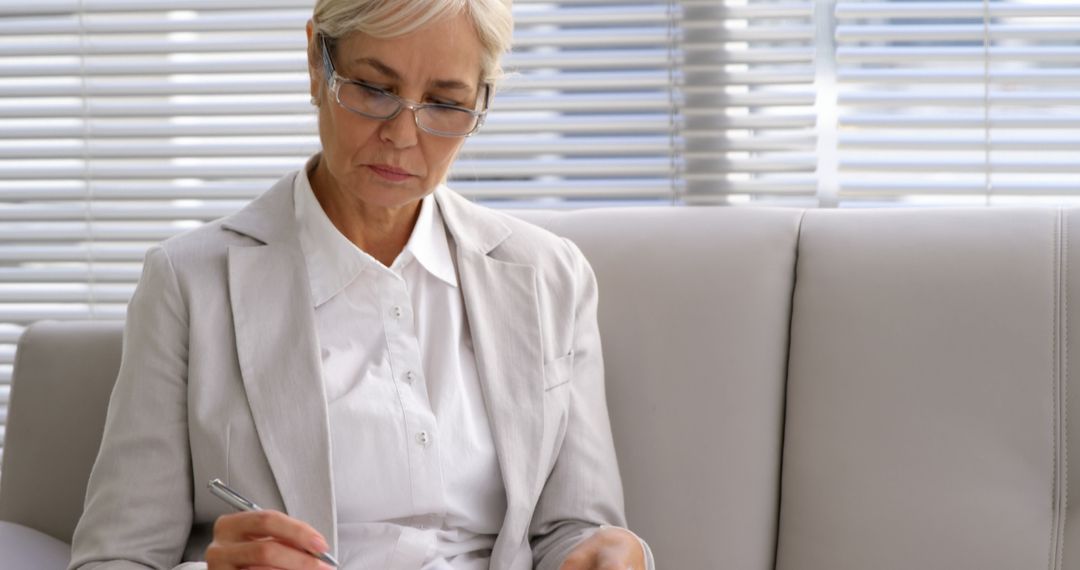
(401, 131)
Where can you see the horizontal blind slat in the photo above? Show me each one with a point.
(921, 76)
(479, 148)
(292, 19)
(65, 294)
(927, 164)
(969, 100)
(938, 54)
(944, 121)
(284, 126)
(953, 10)
(952, 33)
(70, 273)
(296, 62)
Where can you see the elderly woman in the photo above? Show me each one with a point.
(399, 377)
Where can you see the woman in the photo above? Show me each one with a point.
(415, 380)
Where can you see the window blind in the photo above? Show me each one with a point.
(124, 122)
(964, 103)
(747, 128)
(587, 111)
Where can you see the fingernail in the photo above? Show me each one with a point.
(319, 545)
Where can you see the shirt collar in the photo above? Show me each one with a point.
(333, 261)
(428, 243)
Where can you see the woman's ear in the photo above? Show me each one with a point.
(314, 59)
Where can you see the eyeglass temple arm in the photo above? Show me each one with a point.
(328, 64)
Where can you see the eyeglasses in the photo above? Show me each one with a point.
(377, 103)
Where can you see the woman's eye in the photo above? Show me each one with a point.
(374, 86)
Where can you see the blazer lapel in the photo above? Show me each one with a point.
(503, 316)
(279, 362)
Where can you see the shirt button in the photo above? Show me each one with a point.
(397, 311)
(423, 438)
(410, 376)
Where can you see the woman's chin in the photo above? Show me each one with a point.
(390, 195)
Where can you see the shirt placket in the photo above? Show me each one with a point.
(422, 445)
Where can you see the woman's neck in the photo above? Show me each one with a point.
(381, 232)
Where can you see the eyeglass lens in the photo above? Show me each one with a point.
(378, 104)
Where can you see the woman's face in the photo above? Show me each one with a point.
(393, 163)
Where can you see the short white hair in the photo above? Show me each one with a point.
(491, 19)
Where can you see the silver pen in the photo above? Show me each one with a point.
(238, 502)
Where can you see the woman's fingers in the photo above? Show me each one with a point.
(241, 527)
(267, 554)
(269, 539)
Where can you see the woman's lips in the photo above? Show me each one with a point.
(389, 172)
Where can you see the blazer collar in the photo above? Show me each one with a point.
(472, 227)
(270, 217)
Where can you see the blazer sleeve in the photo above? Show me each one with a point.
(584, 489)
(138, 508)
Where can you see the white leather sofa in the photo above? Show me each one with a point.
(800, 390)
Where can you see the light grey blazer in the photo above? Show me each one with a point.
(221, 378)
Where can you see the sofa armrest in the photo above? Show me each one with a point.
(24, 547)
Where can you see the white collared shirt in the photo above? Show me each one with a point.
(416, 478)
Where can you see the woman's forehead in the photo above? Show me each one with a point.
(443, 53)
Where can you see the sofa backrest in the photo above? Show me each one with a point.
(926, 408)
(63, 375)
(926, 388)
(694, 313)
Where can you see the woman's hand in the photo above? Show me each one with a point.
(609, 548)
(264, 540)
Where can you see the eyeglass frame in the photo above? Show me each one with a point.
(334, 79)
